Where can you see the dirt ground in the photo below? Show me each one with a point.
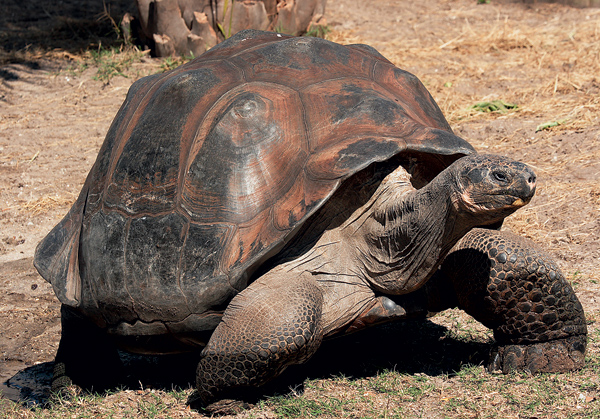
(543, 57)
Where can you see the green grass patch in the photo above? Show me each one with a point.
(302, 407)
(549, 125)
(112, 62)
(494, 106)
(318, 31)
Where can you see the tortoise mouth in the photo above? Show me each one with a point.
(517, 195)
(493, 203)
(512, 203)
(519, 202)
(522, 195)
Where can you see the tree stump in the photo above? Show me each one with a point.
(190, 27)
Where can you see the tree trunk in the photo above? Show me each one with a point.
(190, 27)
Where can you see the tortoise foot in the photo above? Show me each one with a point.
(227, 407)
(205, 402)
(558, 355)
(65, 394)
(60, 379)
(62, 388)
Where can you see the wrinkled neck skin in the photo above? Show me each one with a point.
(408, 232)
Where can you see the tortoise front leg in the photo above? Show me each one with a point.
(273, 323)
(511, 286)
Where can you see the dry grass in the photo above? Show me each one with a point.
(44, 204)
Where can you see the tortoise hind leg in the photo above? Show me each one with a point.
(511, 286)
(86, 356)
(273, 323)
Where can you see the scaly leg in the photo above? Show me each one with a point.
(511, 286)
(273, 323)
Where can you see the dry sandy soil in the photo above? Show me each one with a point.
(543, 57)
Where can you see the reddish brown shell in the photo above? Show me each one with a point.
(207, 169)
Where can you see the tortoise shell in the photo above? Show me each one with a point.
(209, 169)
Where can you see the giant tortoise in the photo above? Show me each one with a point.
(280, 190)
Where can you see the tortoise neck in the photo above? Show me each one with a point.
(406, 237)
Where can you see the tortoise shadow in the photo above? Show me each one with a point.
(408, 347)
(29, 386)
(68, 25)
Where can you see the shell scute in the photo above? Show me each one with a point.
(152, 262)
(147, 181)
(103, 243)
(203, 273)
(298, 62)
(246, 155)
(293, 206)
(350, 108)
(407, 88)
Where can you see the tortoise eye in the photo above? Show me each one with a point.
(500, 176)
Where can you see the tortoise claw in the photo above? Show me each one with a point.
(558, 355)
(227, 407)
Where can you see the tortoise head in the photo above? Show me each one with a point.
(491, 187)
